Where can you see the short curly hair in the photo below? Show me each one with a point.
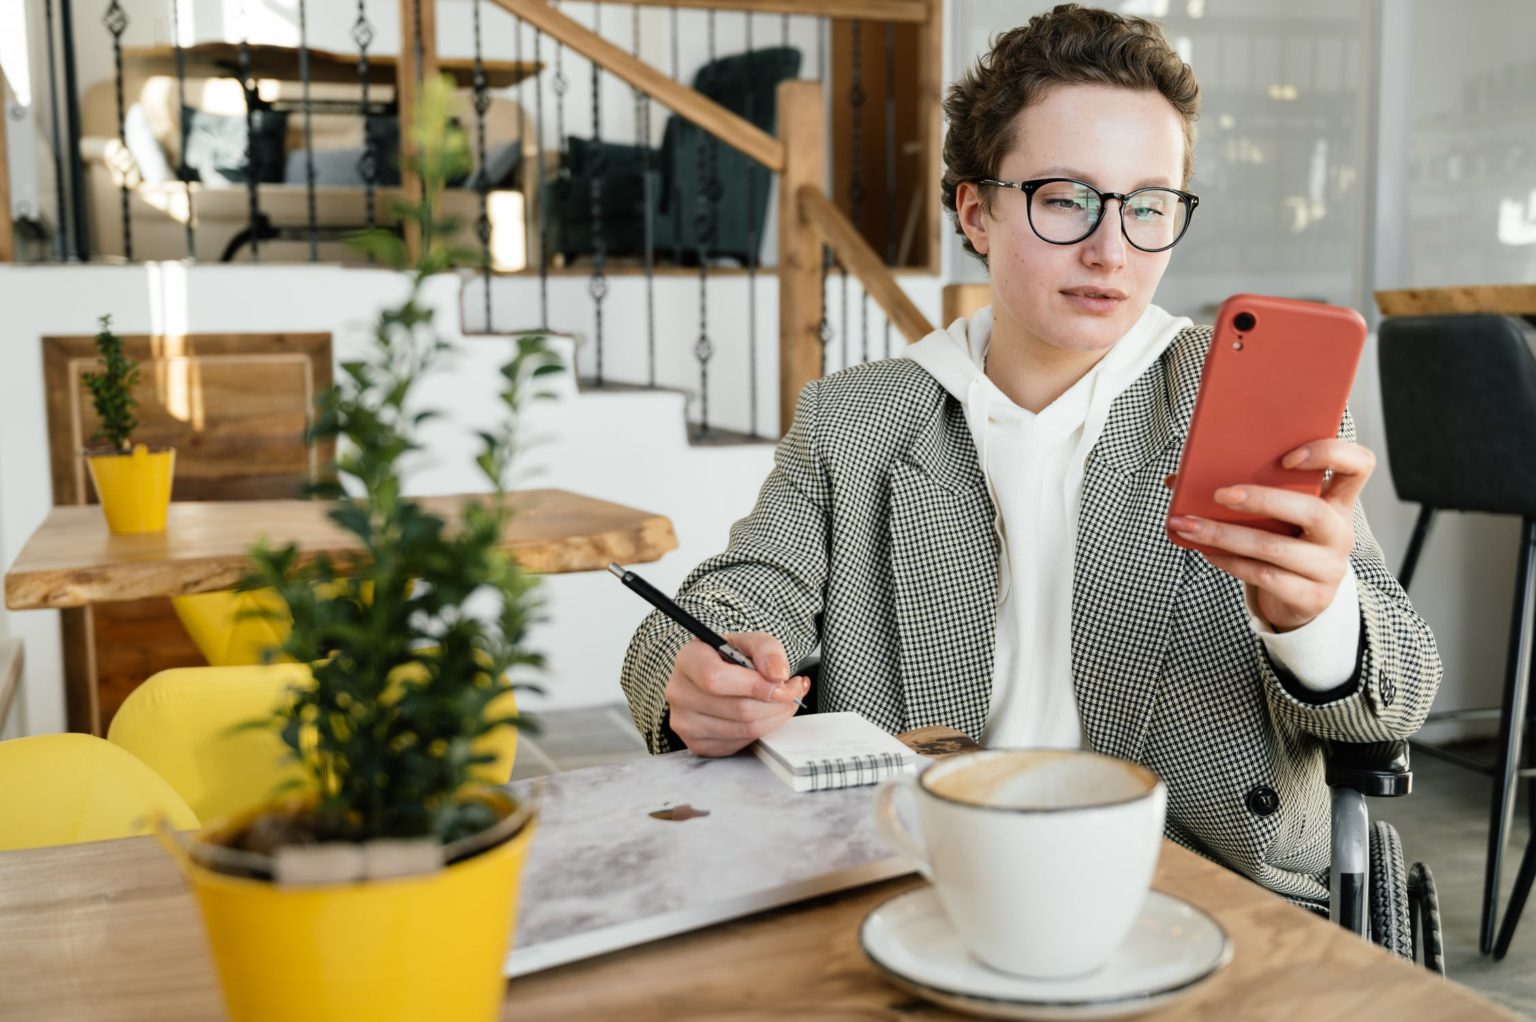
(1070, 45)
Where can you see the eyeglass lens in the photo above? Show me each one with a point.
(1067, 211)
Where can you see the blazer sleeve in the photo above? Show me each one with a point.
(1397, 666)
(770, 578)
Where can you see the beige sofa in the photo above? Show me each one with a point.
(159, 211)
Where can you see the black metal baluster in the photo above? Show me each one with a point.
(248, 86)
(560, 85)
(483, 181)
(368, 162)
(61, 238)
(647, 210)
(677, 197)
(309, 135)
(597, 287)
(890, 219)
(704, 349)
(181, 121)
(856, 98)
(751, 171)
(522, 140)
(116, 20)
(78, 221)
(538, 171)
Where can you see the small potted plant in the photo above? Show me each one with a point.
(385, 886)
(133, 482)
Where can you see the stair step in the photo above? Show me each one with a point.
(717, 437)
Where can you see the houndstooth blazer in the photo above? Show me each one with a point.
(873, 539)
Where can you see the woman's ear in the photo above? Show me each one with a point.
(972, 216)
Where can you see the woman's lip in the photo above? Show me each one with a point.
(1096, 305)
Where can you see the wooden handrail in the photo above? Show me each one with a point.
(854, 252)
(867, 10)
(735, 131)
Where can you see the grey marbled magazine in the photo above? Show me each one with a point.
(604, 873)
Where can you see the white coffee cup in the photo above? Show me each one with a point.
(1042, 858)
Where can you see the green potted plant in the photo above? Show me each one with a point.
(133, 482)
(385, 887)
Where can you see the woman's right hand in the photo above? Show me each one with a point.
(717, 708)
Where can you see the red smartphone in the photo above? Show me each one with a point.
(1277, 376)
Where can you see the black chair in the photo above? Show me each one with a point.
(1459, 395)
(692, 191)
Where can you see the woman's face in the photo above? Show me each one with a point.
(1082, 297)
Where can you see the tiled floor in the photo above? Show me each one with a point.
(1444, 823)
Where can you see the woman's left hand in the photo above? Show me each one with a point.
(1290, 579)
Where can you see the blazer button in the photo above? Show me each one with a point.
(1262, 801)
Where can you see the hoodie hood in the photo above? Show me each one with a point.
(1059, 437)
(956, 358)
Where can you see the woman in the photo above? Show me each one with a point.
(974, 534)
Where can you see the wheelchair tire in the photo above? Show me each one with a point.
(1389, 919)
(1425, 915)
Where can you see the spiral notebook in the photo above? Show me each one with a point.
(833, 750)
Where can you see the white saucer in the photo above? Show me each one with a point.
(1172, 949)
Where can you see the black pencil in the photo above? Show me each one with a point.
(658, 599)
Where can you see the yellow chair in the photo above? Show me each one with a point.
(64, 788)
(234, 629)
(224, 626)
(182, 723)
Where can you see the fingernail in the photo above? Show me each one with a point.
(1232, 496)
(1295, 458)
(1183, 525)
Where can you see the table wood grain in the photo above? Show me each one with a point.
(108, 932)
(1505, 299)
(71, 560)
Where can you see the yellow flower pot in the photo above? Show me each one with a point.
(135, 489)
(407, 949)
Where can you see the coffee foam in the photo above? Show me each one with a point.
(1041, 779)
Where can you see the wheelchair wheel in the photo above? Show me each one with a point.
(1425, 915)
(1389, 922)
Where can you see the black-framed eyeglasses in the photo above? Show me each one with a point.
(1064, 211)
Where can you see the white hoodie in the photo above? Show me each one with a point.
(1033, 464)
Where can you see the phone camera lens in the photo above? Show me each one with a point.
(1244, 322)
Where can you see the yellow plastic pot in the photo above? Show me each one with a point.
(423, 947)
(135, 489)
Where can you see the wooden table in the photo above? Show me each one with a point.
(71, 560)
(109, 932)
(1504, 299)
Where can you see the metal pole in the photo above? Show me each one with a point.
(72, 112)
(61, 196)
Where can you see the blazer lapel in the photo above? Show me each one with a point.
(944, 567)
(1126, 572)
